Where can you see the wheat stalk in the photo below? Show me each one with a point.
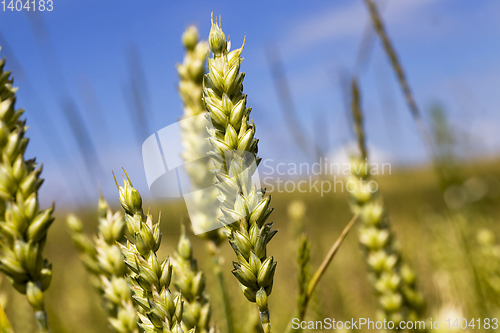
(393, 281)
(103, 259)
(149, 278)
(234, 155)
(23, 230)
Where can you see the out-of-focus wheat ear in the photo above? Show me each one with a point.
(190, 282)
(304, 256)
(86, 247)
(488, 262)
(393, 281)
(194, 133)
(296, 216)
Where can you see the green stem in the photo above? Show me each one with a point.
(264, 319)
(222, 286)
(300, 313)
(41, 320)
(326, 262)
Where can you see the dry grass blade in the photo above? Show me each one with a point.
(393, 281)
(328, 259)
(83, 138)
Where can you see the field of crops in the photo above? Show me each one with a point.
(266, 229)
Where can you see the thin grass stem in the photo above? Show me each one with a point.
(328, 259)
(301, 312)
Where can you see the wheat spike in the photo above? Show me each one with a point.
(393, 280)
(149, 278)
(234, 155)
(103, 259)
(190, 282)
(194, 141)
(23, 229)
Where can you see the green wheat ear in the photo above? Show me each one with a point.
(104, 261)
(234, 153)
(149, 278)
(194, 141)
(23, 229)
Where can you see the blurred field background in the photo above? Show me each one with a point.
(428, 239)
(97, 82)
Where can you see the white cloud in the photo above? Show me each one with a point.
(347, 22)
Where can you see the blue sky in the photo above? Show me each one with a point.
(449, 50)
